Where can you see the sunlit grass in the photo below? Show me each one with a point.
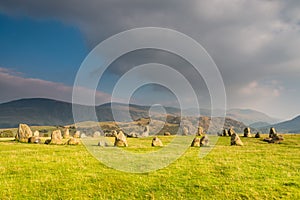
(257, 170)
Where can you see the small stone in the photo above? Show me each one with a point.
(204, 142)
(156, 142)
(167, 133)
(73, 141)
(196, 142)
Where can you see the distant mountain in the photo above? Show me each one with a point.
(249, 116)
(40, 111)
(290, 126)
(259, 124)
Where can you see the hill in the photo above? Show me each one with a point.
(47, 112)
(290, 126)
(260, 124)
(249, 116)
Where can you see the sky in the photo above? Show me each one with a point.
(255, 45)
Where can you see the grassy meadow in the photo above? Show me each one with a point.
(257, 170)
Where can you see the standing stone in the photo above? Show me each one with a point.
(24, 133)
(225, 132)
(277, 139)
(167, 133)
(96, 134)
(272, 132)
(185, 131)
(77, 134)
(36, 134)
(56, 137)
(132, 135)
(204, 142)
(235, 140)
(231, 131)
(103, 143)
(146, 131)
(274, 137)
(156, 142)
(120, 140)
(196, 142)
(247, 132)
(73, 141)
(200, 131)
(66, 134)
(257, 135)
(34, 139)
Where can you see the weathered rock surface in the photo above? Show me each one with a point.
(34, 140)
(96, 134)
(56, 137)
(247, 132)
(185, 131)
(272, 132)
(167, 133)
(196, 142)
(200, 131)
(235, 140)
(36, 134)
(204, 142)
(257, 135)
(146, 131)
(77, 134)
(66, 134)
(156, 142)
(225, 132)
(231, 131)
(24, 133)
(73, 141)
(120, 140)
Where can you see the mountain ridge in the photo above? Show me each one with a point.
(42, 111)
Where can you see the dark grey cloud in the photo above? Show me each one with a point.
(255, 44)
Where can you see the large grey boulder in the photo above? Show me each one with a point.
(56, 137)
(24, 133)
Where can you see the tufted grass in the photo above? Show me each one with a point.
(255, 171)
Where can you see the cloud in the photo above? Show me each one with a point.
(254, 89)
(13, 86)
(250, 41)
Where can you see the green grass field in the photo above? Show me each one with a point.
(257, 170)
